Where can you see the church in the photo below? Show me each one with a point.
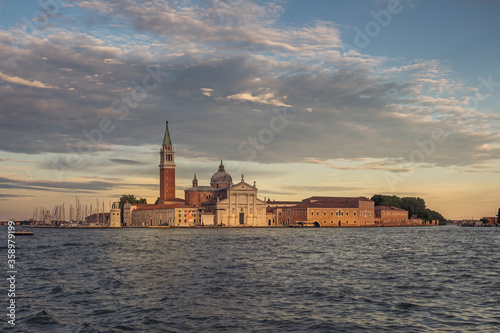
(221, 203)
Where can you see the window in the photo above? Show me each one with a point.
(324, 213)
(347, 213)
(312, 213)
(354, 221)
(354, 213)
(331, 213)
(317, 213)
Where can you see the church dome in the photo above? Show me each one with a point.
(221, 178)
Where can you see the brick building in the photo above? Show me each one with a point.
(391, 216)
(326, 212)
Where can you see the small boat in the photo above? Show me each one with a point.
(23, 233)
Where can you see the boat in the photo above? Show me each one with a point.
(23, 233)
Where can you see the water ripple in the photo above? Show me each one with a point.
(443, 279)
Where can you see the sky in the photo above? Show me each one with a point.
(329, 98)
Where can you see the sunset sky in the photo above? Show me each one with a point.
(322, 97)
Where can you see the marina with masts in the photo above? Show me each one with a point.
(93, 214)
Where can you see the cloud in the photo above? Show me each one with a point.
(7, 196)
(67, 186)
(23, 82)
(214, 64)
(17, 161)
(375, 165)
(126, 162)
(207, 91)
(267, 98)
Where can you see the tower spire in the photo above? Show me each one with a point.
(166, 137)
(195, 181)
(221, 166)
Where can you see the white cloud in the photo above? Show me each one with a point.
(267, 98)
(21, 81)
(206, 91)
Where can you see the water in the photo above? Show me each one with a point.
(443, 279)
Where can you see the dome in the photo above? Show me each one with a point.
(221, 178)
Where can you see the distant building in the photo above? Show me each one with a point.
(115, 216)
(327, 212)
(391, 216)
(171, 215)
(491, 220)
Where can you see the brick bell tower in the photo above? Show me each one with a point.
(167, 169)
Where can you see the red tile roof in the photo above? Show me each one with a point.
(379, 208)
(164, 206)
(335, 199)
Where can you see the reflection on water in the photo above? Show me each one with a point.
(258, 280)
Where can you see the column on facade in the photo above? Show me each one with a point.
(229, 215)
(248, 209)
(254, 211)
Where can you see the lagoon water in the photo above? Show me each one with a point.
(420, 279)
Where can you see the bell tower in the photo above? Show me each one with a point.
(167, 169)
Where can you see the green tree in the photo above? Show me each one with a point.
(386, 200)
(414, 206)
(129, 198)
(157, 200)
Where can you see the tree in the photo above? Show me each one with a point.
(485, 221)
(157, 200)
(386, 200)
(129, 198)
(414, 206)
